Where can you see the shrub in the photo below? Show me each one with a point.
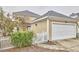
(22, 39)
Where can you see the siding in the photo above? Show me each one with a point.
(29, 19)
(39, 27)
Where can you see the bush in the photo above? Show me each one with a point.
(22, 39)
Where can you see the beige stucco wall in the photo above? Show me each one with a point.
(40, 27)
(29, 19)
(50, 30)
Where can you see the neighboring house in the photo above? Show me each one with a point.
(25, 16)
(76, 17)
(78, 26)
(54, 26)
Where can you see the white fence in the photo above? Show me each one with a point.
(5, 43)
(40, 38)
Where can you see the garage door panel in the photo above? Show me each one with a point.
(63, 31)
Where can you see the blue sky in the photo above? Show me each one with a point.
(67, 10)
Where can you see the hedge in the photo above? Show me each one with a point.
(22, 39)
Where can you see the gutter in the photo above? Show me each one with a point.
(40, 19)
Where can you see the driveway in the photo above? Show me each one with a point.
(71, 45)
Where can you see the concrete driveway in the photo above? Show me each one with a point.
(70, 45)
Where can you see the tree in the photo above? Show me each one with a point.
(2, 18)
(21, 23)
(6, 23)
(1, 13)
(9, 26)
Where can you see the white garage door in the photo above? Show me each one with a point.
(63, 31)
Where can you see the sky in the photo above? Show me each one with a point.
(66, 10)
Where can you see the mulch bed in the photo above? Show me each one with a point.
(31, 49)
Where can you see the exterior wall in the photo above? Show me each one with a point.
(40, 26)
(21, 29)
(40, 31)
(78, 27)
(50, 30)
(29, 19)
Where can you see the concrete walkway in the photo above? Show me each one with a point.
(71, 45)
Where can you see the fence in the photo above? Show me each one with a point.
(40, 37)
(5, 43)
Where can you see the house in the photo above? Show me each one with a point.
(54, 26)
(76, 17)
(24, 18)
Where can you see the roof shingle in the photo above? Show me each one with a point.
(26, 13)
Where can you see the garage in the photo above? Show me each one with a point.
(57, 26)
(62, 31)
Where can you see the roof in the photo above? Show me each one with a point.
(54, 13)
(26, 13)
(53, 18)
